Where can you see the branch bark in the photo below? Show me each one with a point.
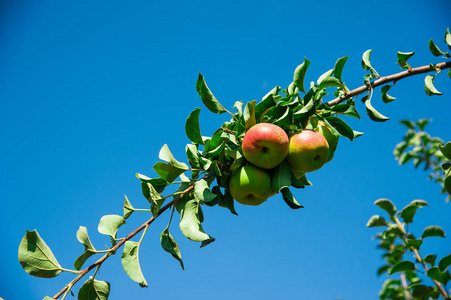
(121, 243)
(387, 79)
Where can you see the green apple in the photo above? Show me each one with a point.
(332, 139)
(265, 145)
(308, 151)
(250, 185)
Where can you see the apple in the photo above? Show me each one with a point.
(308, 151)
(250, 185)
(332, 139)
(265, 145)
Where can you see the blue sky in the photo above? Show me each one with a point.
(91, 90)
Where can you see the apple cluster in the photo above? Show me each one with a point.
(265, 146)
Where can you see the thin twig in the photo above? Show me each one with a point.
(405, 286)
(387, 79)
(121, 243)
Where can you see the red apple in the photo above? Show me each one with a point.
(265, 145)
(308, 151)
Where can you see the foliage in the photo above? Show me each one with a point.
(402, 255)
(431, 152)
(203, 181)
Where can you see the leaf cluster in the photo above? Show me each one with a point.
(402, 255)
(423, 150)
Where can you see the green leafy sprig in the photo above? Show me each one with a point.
(397, 243)
(423, 150)
(213, 159)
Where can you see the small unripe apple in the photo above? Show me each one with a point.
(250, 185)
(308, 151)
(332, 139)
(265, 145)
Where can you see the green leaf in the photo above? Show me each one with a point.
(430, 259)
(228, 202)
(429, 87)
(357, 134)
(324, 76)
(408, 212)
(306, 111)
(292, 90)
(192, 154)
(286, 119)
(376, 221)
(433, 231)
(405, 158)
(447, 184)
(329, 82)
(207, 96)
(109, 225)
(289, 198)
(446, 150)
(444, 263)
(154, 198)
(192, 128)
(170, 245)
(299, 74)
(167, 171)
(128, 208)
(339, 65)
(403, 57)
(386, 205)
(36, 257)
(448, 38)
(82, 236)
(436, 274)
(393, 229)
(297, 183)
(421, 291)
(446, 166)
(422, 123)
(399, 149)
(409, 124)
(341, 126)
(412, 242)
(402, 266)
(202, 191)
(385, 97)
(190, 224)
(372, 112)
(346, 109)
(382, 270)
(158, 183)
(266, 103)
(434, 49)
(366, 64)
(281, 177)
(94, 290)
(249, 114)
(130, 263)
(166, 155)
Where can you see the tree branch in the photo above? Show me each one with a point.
(386, 79)
(121, 243)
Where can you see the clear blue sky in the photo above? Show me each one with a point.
(91, 90)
